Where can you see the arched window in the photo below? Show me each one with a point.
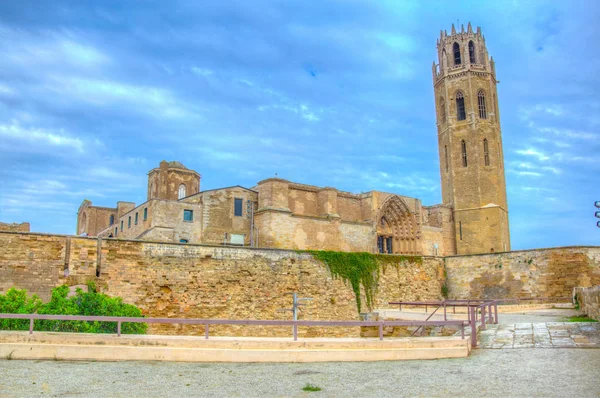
(181, 191)
(481, 102)
(471, 52)
(463, 145)
(442, 111)
(486, 152)
(112, 219)
(446, 156)
(456, 50)
(460, 106)
(83, 225)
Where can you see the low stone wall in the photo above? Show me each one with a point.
(529, 273)
(199, 281)
(589, 300)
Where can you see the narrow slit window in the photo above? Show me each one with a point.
(486, 152)
(456, 50)
(129, 222)
(472, 52)
(136, 218)
(481, 102)
(442, 111)
(460, 106)
(145, 213)
(460, 229)
(463, 145)
(446, 156)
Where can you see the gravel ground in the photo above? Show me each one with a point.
(515, 373)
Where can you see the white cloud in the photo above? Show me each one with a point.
(36, 136)
(148, 99)
(533, 153)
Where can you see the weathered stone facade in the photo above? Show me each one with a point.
(200, 281)
(589, 300)
(470, 142)
(14, 227)
(527, 273)
(275, 214)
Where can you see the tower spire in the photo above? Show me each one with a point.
(469, 28)
(453, 30)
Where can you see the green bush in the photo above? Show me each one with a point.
(90, 303)
(16, 302)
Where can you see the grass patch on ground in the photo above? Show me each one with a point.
(311, 387)
(577, 318)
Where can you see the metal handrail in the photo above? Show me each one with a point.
(207, 322)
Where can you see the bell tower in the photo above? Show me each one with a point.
(470, 142)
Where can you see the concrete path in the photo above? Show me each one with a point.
(541, 335)
(528, 372)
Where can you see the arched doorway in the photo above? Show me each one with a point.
(397, 228)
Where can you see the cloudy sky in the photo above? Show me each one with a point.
(335, 93)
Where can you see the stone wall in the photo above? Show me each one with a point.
(589, 300)
(199, 281)
(529, 273)
(14, 227)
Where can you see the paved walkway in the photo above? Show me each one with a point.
(528, 372)
(541, 335)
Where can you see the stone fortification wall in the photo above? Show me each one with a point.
(14, 227)
(197, 281)
(529, 273)
(589, 300)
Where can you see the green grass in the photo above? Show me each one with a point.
(580, 319)
(310, 387)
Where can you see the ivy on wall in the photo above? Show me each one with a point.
(360, 269)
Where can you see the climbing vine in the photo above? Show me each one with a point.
(360, 269)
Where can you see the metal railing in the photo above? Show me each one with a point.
(207, 322)
(476, 309)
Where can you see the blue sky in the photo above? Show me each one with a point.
(335, 93)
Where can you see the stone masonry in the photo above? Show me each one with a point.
(202, 281)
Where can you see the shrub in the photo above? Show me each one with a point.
(16, 302)
(90, 303)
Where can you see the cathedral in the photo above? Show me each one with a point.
(277, 213)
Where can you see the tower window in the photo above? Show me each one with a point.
(112, 219)
(145, 213)
(486, 152)
(121, 225)
(129, 222)
(181, 191)
(446, 156)
(116, 231)
(481, 102)
(471, 52)
(442, 111)
(460, 106)
(136, 218)
(456, 50)
(464, 152)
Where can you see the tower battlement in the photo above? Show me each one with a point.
(462, 51)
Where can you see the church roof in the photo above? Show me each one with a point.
(177, 165)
